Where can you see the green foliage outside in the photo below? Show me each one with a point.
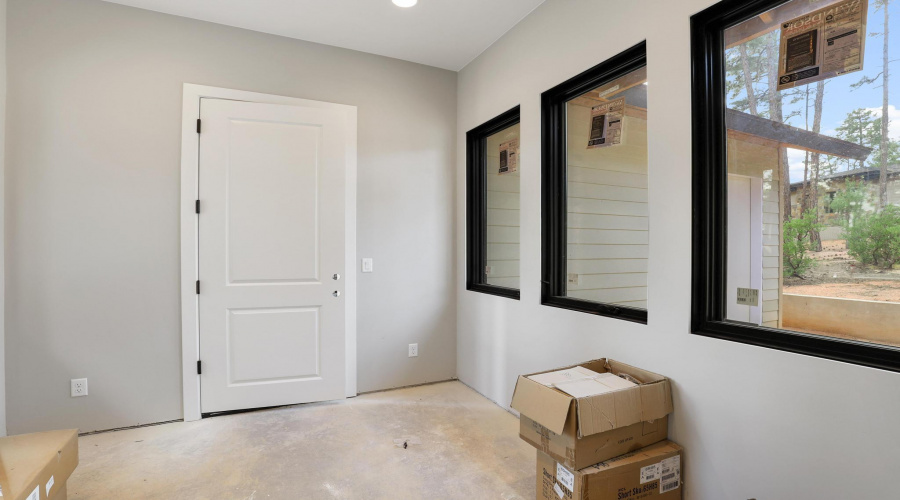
(849, 201)
(874, 238)
(797, 244)
(863, 127)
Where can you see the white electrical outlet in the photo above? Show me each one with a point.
(367, 265)
(413, 350)
(79, 387)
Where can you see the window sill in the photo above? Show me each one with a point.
(597, 308)
(833, 348)
(510, 293)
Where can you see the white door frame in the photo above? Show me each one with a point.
(756, 243)
(190, 157)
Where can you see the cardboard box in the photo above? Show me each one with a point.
(37, 466)
(62, 494)
(650, 473)
(583, 431)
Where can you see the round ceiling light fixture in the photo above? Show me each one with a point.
(404, 3)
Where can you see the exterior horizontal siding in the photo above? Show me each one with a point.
(771, 297)
(608, 228)
(503, 212)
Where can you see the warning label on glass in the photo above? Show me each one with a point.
(509, 156)
(823, 44)
(607, 121)
(800, 51)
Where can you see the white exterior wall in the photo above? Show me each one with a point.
(502, 215)
(608, 237)
(893, 188)
(772, 243)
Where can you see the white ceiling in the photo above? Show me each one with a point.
(443, 33)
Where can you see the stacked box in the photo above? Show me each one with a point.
(588, 438)
(653, 473)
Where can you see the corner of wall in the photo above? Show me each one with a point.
(2, 217)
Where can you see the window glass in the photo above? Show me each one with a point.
(813, 159)
(607, 232)
(502, 187)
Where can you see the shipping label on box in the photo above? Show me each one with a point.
(651, 473)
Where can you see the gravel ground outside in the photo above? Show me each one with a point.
(838, 275)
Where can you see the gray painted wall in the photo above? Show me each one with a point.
(2, 197)
(92, 234)
(755, 423)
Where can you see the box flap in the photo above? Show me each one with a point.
(605, 412)
(656, 400)
(643, 376)
(544, 405)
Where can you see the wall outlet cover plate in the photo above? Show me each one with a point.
(79, 387)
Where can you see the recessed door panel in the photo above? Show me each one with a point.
(272, 201)
(272, 345)
(744, 245)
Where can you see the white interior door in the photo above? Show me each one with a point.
(271, 254)
(745, 231)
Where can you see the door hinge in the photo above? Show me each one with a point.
(199, 371)
(197, 206)
(198, 125)
(198, 287)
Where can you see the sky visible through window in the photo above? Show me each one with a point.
(840, 97)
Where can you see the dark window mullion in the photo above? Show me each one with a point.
(482, 178)
(554, 173)
(476, 204)
(710, 205)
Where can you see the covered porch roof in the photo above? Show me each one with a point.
(744, 126)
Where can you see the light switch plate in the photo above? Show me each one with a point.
(367, 265)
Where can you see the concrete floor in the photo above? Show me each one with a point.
(460, 445)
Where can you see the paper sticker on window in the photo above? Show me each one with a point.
(607, 121)
(748, 297)
(509, 157)
(800, 51)
(822, 44)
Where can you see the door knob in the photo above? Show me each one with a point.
(336, 277)
(336, 293)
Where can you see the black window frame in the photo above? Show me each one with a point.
(710, 204)
(476, 204)
(554, 187)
